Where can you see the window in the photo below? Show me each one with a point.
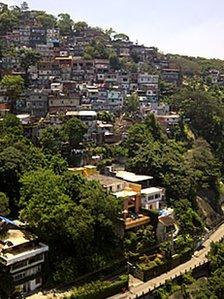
(19, 276)
(19, 265)
(38, 280)
(118, 187)
(36, 258)
(157, 195)
(151, 197)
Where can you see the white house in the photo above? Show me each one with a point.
(152, 198)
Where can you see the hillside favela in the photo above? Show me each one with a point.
(111, 153)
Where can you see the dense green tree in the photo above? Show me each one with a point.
(56, 163)
(13, 84)
(137, 135)
(80, 215)
(12, 164)
(43, 201)
(205, 166)
(114, 60)
(188, 219)
(106, 116)
(74, 131)
(132, 103)
(80, 26)
(46, 20)
(11, 125)
(110, 32)
(121, 37)
(8, 19)
(65, 24)
(209, 125)
(139, 241)
(51, 139)
(128, 65)
(72, 183)
(28, 58)
(216, 256)
(154, 127)
(163, 160)
(4, 204)
(96, 49)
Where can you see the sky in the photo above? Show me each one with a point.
(190, 27)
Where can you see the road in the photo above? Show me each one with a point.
(199, 257)
(137, 288)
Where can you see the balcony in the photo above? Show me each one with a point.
(132, 223)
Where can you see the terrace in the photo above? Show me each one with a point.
(131, 222)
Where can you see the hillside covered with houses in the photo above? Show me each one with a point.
(111, 156)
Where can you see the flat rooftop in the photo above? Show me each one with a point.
(81, 113)
(151, 190)
(104, 180)
(132, 177)
(14, 237)
(125, 193)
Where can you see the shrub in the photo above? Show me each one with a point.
(99, 289)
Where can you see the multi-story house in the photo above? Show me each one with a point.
(44, 71)
(146, 79)
(115, 99)
(144, 180)
(92, 92)
(152, 198)
(168, 120)
(55, 69)
(138, 51)
(105, 133)
(65, 65)
(24, 32)
(128, 192)
(122, 47)
(171, 76)
(37, 36)
(12, 38)
(37, 103)
(101, 68)
(46, 51)
(22, 255)
(59, 102)
(78, 70)
(214, 76)
(124, 51)
(53, 36)
(124, 80)
(4, 105)
(111, 78)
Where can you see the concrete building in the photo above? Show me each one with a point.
(21, 255)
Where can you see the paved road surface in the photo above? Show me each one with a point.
(197, 258)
